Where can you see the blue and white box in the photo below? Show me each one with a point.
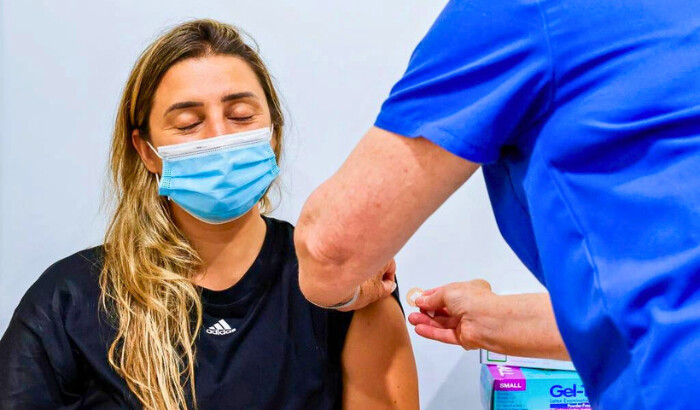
(514, 388)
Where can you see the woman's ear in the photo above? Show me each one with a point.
(149, 158)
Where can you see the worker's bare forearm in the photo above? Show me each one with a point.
(523, 325)
(359, 219)
(332, 260)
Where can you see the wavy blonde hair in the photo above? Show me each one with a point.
(147, 288)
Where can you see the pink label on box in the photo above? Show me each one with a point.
(507, 378)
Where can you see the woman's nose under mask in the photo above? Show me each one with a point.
(216, 180)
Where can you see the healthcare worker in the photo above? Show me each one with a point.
(585, 119)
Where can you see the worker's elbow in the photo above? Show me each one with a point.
(318, 249)
(319, 237)
(323, 258)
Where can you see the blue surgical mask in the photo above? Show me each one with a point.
(216, 180)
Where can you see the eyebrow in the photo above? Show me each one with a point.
(190, 104)
(238, 96)
(182, 105)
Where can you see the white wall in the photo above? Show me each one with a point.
(63, 65)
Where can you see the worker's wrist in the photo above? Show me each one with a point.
(344, 304)
(490, 325)
(319, 293)
(514, 326)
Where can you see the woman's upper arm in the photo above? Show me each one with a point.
(379, 370)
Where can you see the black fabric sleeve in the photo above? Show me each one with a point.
(38, 367)
(28, 376)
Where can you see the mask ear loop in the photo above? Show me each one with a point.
(158, 155)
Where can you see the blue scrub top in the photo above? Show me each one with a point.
(586, 117)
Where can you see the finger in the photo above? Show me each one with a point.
(432, 302)
(441, 335)
(422, 319)
(439, 312)
(448, 322)
(388, 286)
(430, 291)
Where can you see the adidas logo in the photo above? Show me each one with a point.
(220, 328)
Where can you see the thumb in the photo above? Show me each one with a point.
(388, 286)
(433, 301)
(389, 278)
(389, 271)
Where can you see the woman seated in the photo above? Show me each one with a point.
(193, 300)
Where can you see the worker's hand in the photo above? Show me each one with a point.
(379, 286)
(457, 308)
(470, 315)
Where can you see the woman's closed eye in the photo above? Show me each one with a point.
(192, 126)
(189, 127)
(187, 121)
(242, 119)
(241, 112)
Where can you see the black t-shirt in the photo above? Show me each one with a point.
(262, 345)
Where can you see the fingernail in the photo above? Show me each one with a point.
(431, 313)
(393, 287)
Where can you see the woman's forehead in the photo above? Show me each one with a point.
(207, 78)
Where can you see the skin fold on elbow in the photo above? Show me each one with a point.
(323, 260)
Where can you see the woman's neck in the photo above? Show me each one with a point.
(227, 250)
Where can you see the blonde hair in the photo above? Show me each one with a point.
(146, 281)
